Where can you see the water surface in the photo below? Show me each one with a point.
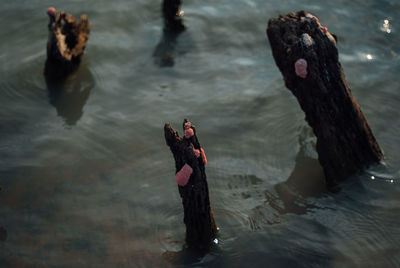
(88, 180)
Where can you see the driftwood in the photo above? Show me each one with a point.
(66, 43)
(192, 183)
(306, 54)
(172, 16)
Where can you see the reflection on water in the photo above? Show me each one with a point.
(192, 257)
(307, 177)
(386, 26)
(164, 52)
(70, 95)
(306, 180)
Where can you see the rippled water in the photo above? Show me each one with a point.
(88, 180)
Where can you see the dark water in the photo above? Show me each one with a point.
(89, 182)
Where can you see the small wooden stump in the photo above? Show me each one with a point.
(189, 162)
(172, 16)
(306, 54)
(66, 43)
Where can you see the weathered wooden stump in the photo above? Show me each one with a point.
(192, 183)
(172, 16)
(306, 54)
(66, 43)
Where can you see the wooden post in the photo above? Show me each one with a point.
(192, 183)
(66, 43)
(306, 54)
(172, 16)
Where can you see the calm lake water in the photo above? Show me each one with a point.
(88, 180)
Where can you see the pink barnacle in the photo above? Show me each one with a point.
(204, 156)
(189, 133)
(188, 125)
(196, 152)
(51, 11)
(324, 29)
(183, 175)
(301, 68)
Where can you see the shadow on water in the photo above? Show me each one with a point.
(190, 256)
(306, 180)
(3, 234)
(164, 52)
(69, 95)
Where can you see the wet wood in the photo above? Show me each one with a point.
(66, 43)
(306, 54)
(172, 16)
(198, 217)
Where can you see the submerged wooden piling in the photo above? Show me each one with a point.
(306, 54)
(66, 43)
(191, 177)
(172, 16)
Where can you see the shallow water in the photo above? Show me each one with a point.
(89, 182)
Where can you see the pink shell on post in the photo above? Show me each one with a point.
(301, 68)
(183, 175)
(189, 133)
(204, 156)
(51, 11)
(188, 125)
(324, 29)
(196, 152)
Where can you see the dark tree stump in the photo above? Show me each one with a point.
(172, 16)
(198, 217)
(66, 43)
(306, 54)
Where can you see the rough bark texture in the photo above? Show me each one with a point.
(172, 16)
(345, 143)
(198, 217)
(66, 44)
